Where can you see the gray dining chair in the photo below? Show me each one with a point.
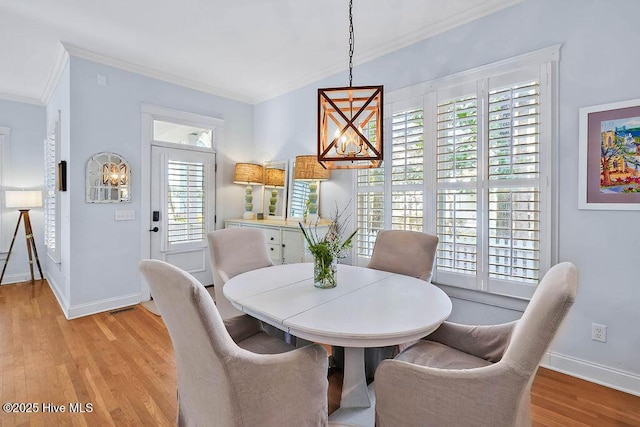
(234, 251)
(411, 253)
(464, 375)
(226, 383)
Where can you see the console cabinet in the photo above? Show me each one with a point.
(284, 238)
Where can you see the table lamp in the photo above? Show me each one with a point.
(248, 174)
(24, 201)
(308, 169)
(274, 179)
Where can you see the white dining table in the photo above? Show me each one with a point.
(367, 308)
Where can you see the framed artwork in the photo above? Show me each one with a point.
(609, 156)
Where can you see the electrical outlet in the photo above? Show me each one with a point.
(598, 332)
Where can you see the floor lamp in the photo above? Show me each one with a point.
(24, 200)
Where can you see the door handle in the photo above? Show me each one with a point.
(155, 229)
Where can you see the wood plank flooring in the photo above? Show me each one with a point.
(122, 364)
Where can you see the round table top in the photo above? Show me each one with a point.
(367, 308)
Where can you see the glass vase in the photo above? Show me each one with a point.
(324, 272)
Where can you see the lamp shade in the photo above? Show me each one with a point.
(307, 168)
(23, 199)
(274, 177)
(248, 173)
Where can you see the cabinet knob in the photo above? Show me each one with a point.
(271, 248)
(272, 238)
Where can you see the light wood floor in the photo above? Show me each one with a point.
(122, 363)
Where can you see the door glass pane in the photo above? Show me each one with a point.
(185, 202)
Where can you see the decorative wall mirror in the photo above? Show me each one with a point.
(298, 194)
(108, 178)
(274, 197)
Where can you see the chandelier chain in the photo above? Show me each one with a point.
(351, 42)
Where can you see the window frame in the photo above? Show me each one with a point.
(545, 62)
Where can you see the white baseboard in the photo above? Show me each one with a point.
(593, 372)
(10, 279)
(81, 310)
(109, 304)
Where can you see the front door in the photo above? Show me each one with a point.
(183, 208)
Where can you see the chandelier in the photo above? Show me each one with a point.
(350, 122)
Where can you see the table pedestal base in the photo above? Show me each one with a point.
(354, 383)
(361, 417)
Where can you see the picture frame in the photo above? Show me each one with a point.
(609, 156)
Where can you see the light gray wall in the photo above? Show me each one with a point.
(598, 65)
(22, 170)
(105, 253)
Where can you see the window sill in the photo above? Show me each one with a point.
(502, 301)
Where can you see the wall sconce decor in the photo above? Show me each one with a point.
(108, 177)
(248, 174)
(274, 179)
(24, 201)
(307, 168)
(114, 174)
(350, 122)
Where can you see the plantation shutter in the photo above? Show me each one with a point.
(50, 199)
(370, 209)
(50, 192)
(407, 170)
(185, 202)
(456, 187)
(514, 182)
(299, 197)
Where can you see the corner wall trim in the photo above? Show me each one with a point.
(62, 301)
(609, 377)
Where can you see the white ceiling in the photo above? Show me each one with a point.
(249, 50)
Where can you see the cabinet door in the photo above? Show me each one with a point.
(292, 246)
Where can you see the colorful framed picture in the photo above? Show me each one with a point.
(609, 156)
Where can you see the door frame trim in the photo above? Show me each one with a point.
(149, 113)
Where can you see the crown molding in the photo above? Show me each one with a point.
(59, 62)
(21, 99)
(486, 8)
(65, 50)
(148, 72)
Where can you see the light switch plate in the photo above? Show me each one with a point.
(124, 215)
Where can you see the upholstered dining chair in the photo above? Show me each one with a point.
(234, 251)
(227, 384)
(475, 375)
(411, 253)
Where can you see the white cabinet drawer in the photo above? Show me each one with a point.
(275, 253)
(272, 235)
